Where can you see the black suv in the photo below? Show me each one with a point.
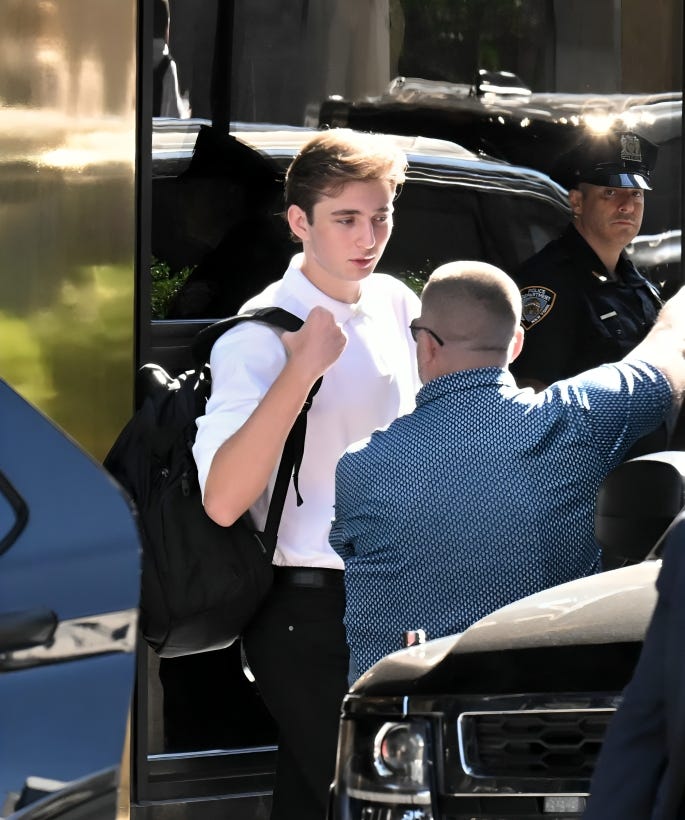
(455, 204)
(506, 719)
(515, 124)
(208, 219)
(499, 117)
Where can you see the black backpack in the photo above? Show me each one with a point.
(201, 583)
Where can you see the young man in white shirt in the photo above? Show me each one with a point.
(339, 202)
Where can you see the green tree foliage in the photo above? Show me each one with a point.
(165, 284)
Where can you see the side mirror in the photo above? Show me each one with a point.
(635, 505)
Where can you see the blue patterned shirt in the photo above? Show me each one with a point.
(482, 495)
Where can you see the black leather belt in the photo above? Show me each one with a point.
(311, 577)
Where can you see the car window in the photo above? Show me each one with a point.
(211, 252)
(439, 223)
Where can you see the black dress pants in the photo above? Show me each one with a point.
(297, 650)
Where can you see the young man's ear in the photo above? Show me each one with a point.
(298, 222)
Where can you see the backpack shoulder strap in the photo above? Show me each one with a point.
(293, 448)
(278, 317)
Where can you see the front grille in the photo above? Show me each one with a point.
(532, 744)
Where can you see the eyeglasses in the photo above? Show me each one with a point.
(413, 329)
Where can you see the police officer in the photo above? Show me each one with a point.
(584, 302)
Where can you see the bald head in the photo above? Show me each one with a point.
(475, 308)
(473, 302)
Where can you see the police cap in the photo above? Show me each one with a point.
(619, 159)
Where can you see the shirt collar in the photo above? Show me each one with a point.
(624, 267)
(464, 380)
(310, 296)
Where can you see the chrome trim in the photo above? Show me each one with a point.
(214, 753)
(461, 728)
(422, 798)
(509, 794)
(79, 638)
(457, 782)
(78, 798)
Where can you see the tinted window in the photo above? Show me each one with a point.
(439, 223)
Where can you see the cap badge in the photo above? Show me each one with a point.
(630, 148)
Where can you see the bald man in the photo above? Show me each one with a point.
(485, 492)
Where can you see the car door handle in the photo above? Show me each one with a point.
(20, 510)
(24, 630)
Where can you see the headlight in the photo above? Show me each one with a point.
(384, 770)
(399, 751)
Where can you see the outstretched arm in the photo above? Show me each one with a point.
(664, 345)
(243, 464)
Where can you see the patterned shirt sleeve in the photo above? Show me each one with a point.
(339, 535)
(618, 404)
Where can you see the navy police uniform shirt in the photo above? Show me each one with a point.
(575, 316)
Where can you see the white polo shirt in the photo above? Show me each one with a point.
(374, 381)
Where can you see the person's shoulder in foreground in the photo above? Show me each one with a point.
(640, 772)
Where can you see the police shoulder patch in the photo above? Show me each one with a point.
(538, 302)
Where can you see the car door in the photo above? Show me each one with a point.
(69, 580)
